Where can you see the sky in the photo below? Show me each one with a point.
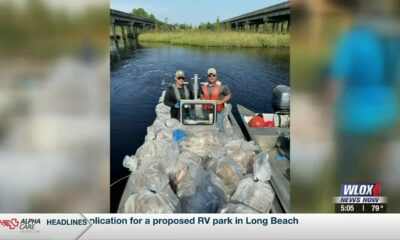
(193, 11)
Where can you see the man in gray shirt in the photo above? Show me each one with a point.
(175, 93)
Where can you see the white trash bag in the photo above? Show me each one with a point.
(140, 179)
(242, 152)
(152, 130)
(217, 153)
(149, 201)
(178, 169)
(162, 149)
(131, 163)
(163, 111)
(173, 123)
(151, 193)
(201, 140)
(228, 171)
(261, 167)
(162, 129)
(255, 194)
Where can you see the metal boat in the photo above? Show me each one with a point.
(266, 138)
(276, 142)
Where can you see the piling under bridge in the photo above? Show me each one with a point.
(134, 25)
(275, 18)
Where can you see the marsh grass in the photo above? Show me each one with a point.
(218, 39)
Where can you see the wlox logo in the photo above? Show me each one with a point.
(360, 189)
(11, 224)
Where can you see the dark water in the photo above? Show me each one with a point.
(139, 78)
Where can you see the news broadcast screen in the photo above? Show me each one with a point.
(133, 119)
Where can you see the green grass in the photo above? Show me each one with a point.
(218, 39)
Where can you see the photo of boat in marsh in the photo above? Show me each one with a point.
(208, 171)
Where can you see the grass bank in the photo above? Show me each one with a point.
(218, 39)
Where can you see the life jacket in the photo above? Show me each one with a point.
(176, 92)
(214, 96)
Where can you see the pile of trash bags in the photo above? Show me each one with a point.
(195, 169)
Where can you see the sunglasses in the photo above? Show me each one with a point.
(211, 75)
(180, 78)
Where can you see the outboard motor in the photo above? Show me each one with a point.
(281, 105)
(281, 98)
(283, 144)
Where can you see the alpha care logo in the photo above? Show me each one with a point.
(24, 224)
(11, 224)
(28, 224)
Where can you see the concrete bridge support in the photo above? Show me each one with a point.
(265, 25)
(131, 30)
(114, 38)
(247, 26)
(124, 39)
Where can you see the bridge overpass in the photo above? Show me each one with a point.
(133, 24)
(275, 18)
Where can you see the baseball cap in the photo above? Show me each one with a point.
(212, 71)
(179, 73)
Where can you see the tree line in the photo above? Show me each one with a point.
(164, 25)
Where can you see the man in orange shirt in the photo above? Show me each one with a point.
(215, 90)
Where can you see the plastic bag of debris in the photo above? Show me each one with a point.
(164, 133)
(217, 153)
(229, 135)
(162, 129)
(237, 208)
(151, 194)
(207, 135)
(149, 201)
(255, 194)
(178, 169)
(152, 130)
(199, 194)
(201, 140)
(229, 171)
(261, 167)
(164, 150)
(242, 152)
(153, 164)
(173, 123)
(130, 162)
(163, 111)
(140, 179)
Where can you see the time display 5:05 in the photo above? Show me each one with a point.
(360, 208)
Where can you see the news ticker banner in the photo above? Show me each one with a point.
(199, 226)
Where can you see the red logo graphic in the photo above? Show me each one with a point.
(377, 190)
(12, 224)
